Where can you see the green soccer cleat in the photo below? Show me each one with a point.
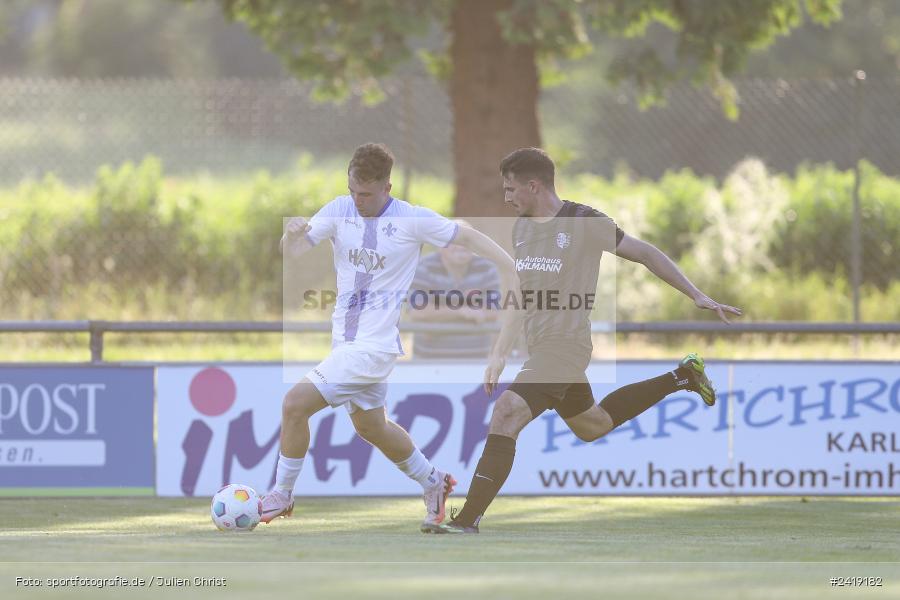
(698, 382)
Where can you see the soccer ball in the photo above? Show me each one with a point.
(236, 508)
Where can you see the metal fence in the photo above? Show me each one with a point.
(98, 329)
(71, 127)
(783, 122)
(116, 258)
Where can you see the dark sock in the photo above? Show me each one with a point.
(631, 400)
(493, 468)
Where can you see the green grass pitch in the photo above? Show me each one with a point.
(536, 547)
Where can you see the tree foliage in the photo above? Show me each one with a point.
(353, 44)
(343, 46)
(40, 37)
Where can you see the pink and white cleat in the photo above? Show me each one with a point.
(277, 503)
(436, 500)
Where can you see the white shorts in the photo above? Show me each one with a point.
(353, 377)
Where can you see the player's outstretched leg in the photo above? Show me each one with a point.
(300, 403)
(394, 442)
(511, 414)
(631, 400)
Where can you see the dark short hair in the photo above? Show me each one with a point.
(371, 162)
(529, 163)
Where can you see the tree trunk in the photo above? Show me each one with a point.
(494, 94)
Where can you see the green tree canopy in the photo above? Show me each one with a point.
(492, 51)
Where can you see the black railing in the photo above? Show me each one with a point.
(97, 329)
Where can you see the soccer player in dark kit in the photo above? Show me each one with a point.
(558, 245)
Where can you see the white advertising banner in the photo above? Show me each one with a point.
(777, 428)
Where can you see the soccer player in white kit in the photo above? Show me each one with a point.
(376, 239)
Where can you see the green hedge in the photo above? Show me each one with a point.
(137, 244)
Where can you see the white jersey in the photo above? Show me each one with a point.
(375, 260)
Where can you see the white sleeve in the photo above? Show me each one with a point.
(434, 229)
(323, 223)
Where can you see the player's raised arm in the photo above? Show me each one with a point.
(662, 266)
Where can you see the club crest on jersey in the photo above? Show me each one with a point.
(367, 259)
(563, 239)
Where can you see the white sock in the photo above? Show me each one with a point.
(287, 472)
(418, 468)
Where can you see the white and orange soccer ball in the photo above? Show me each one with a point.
(236, 508)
